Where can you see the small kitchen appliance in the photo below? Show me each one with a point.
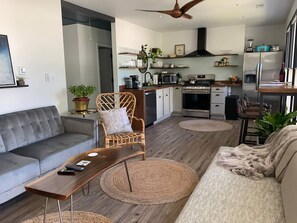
(249, 49)
(128, 82)
(135, 81)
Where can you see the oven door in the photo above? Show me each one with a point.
(196, 103)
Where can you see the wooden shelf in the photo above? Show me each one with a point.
(168, 67)
(15, 86)
(227, 54)
(129, 53)
(227, 66)
(171, 57)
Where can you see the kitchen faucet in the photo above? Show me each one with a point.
(151, 76)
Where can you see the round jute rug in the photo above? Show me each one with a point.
(154, 181)
(205, 125)
(79, 217)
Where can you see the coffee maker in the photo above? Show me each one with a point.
(135, 81)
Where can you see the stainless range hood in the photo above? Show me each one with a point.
(201, 45)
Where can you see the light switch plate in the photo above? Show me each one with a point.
(22, 70)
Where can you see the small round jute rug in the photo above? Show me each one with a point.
(79, 217)
(205, 125)
(154, 181)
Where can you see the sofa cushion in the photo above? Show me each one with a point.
(288, 191)
(25, 127)
(2, 146)
(54, 151)
(285, 160)
(16, 170)
(222, 196)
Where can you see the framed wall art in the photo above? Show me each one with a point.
(180, 50)
(6, 71)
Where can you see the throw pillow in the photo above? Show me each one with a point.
(116, 121)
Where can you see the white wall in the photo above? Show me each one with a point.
(131, 36)
(219, 39)
(267, 35)
(34, 31)
(81, 57)
(290, 15)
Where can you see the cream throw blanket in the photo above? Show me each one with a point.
(259, 161)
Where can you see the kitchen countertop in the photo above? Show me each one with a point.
(226, 83)
(219, 83)
(283, 89)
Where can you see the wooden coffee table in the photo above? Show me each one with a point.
(61, 187)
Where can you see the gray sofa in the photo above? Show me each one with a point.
(223, 197)
(36, 141)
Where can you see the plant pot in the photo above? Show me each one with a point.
(20, 82)
(81, 104)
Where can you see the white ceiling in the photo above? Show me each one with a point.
(208, 13)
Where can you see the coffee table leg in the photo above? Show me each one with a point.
(45, 208)
(71, 207)
(60, 212)
(127, 172)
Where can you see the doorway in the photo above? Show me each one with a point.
(105, 69)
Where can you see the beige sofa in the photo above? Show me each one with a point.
(223, 197)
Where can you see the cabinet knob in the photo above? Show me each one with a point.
(159, 96)
(217, 106)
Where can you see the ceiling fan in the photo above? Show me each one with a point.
(177, 12)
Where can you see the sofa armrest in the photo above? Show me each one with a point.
(80, 125)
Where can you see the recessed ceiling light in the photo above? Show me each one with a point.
(160, 16)
(235, 5)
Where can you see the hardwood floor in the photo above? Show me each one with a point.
(164, 140)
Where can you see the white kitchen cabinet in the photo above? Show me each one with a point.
(166, 95)
(177, 99)
(171, 99)
(163, 103)
(217, 106)
(160, 102)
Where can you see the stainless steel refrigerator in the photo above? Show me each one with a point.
(262, 69)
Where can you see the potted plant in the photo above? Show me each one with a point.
(272, 122)
(81, 93)
(154, 53)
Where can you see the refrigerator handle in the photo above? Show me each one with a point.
(257, 75)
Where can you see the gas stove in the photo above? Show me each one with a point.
(196, 96)
(203, 81)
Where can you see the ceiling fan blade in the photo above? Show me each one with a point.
(189, 5)
(167, 12)
(187, 16)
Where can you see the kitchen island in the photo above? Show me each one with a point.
(279, 90)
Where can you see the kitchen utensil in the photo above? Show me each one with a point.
(263, 48)
(250, 46)
(192, 80)
(275, 48)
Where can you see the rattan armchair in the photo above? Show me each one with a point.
(109, 101)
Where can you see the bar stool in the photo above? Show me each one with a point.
(245, 130)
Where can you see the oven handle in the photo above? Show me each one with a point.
(196, 92)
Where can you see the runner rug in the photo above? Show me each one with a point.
(154, 181)
(205, 125)
(79, 216)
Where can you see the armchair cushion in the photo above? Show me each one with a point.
(116, 121)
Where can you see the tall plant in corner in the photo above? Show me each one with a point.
(272, 122)
(81, 93)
